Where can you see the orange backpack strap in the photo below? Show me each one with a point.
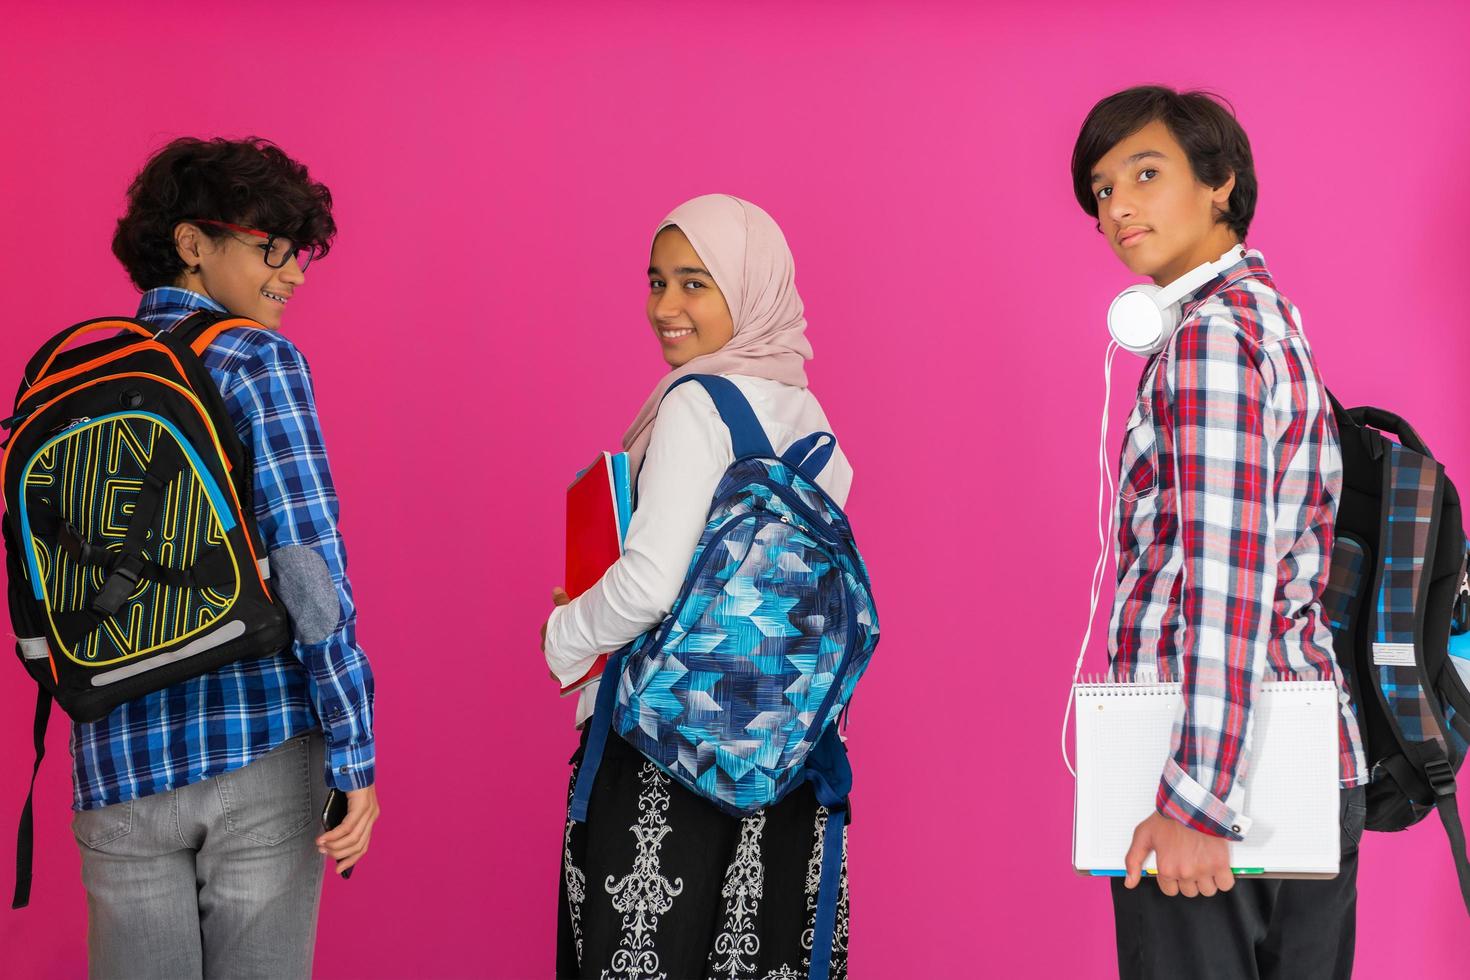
(46, 356)
(207, 336)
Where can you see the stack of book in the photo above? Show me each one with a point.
(599, 506)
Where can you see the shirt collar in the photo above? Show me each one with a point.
(1253, 265)
(170, 303)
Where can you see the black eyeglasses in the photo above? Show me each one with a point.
(277, 250)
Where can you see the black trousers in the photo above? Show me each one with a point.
(1287, 929)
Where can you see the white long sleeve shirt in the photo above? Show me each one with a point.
(689, 452)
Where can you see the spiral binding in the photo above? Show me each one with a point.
(1165, 684)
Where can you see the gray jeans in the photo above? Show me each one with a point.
(219, 878)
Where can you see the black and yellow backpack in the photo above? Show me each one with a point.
(133, 556)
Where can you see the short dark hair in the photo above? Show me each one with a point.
(249, 182)
(1202, 122)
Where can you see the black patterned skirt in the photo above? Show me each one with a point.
(660, 884)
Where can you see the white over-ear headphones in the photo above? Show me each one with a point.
(1143, 317)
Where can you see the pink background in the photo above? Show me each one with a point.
(479, 325)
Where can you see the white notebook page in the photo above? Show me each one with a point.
(1124, 734)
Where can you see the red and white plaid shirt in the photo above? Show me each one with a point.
(1230, 480)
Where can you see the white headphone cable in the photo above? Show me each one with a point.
(1104, 527)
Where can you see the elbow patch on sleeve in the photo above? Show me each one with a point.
(304, 585)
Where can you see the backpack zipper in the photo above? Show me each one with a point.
(97, 362)
(193, 400)
(833, 538)
(815, 729)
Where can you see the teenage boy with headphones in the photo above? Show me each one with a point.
(1229, 484)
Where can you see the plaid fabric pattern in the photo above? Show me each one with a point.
(1230, 475)
(1415, 488)
(1349, 559)
(225, 719)
(1342, 602)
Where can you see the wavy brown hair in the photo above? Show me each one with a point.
(249, 182)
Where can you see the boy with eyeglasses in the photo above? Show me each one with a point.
(197, 805)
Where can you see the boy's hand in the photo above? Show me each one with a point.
(348, 841)
(1190, 863)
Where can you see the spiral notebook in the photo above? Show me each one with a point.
(1124, 736)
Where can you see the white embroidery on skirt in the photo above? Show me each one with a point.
(744, 883)
(644, 894)
(838, 966)
(813, 883)
(576, 880)
(839, 932)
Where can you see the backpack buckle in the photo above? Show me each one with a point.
(1441, 777)
(119, 585)
(81, 551)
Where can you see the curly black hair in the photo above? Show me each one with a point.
(1202, 122)
(249, 182)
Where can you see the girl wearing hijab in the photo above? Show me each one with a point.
(658, 881)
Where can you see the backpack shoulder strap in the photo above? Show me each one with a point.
(1413, 489)
(598, 727)
(1394, 654)
(1413, 493)
(192, 325)
(25, 835)
(747, 438)
(830, 774)
(1432, 765)
(199, 329)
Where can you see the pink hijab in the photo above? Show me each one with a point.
(744, 250)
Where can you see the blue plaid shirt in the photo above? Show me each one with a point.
(225, 719)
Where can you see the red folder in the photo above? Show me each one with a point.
(594, 538)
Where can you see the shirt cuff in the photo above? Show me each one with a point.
(351, 765)
(1182, 798)
(568, 670)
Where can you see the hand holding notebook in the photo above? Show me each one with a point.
(1289, 796)
(1190, 862)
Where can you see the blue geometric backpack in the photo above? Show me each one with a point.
(736, 693)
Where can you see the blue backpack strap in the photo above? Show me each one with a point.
(601, 722)
(811, 454)
(747, 437)
(824, 927)
(830, 774)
